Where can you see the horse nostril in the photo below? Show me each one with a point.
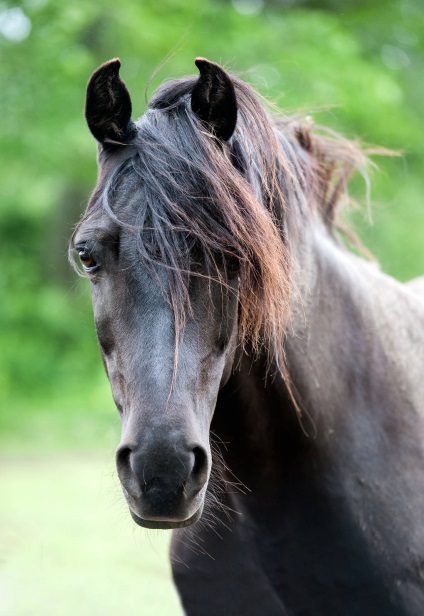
(123, 459)
(126, 473)
(200, 461)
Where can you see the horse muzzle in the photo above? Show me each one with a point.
(164, 484)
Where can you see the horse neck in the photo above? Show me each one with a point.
(332, 314)
(348, 347)
(339, 347)
(348, 338)
(341, 333)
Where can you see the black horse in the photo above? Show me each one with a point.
(232, 320)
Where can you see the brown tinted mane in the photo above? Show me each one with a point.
(186, 194)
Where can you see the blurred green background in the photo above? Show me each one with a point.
(354, 65)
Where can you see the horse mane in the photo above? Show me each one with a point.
(184, 195)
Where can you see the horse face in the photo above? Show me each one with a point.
(165, 389)
(166, 356)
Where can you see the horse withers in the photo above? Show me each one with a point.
(269, 382)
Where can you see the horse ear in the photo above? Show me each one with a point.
(213, 99)
(108, 105)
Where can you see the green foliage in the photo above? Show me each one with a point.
(356, 66)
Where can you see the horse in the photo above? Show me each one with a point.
(269, 380)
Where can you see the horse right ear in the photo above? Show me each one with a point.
(108, 106)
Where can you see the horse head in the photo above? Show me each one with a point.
(166, 316)
(172, 240)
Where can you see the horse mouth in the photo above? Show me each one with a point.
(167, 524)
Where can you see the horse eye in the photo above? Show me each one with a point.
(86, 259)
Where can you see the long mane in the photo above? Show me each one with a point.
(189, 198)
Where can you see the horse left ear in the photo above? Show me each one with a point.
(108, 106)
(213, 99)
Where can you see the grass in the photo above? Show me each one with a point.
(68, 545)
